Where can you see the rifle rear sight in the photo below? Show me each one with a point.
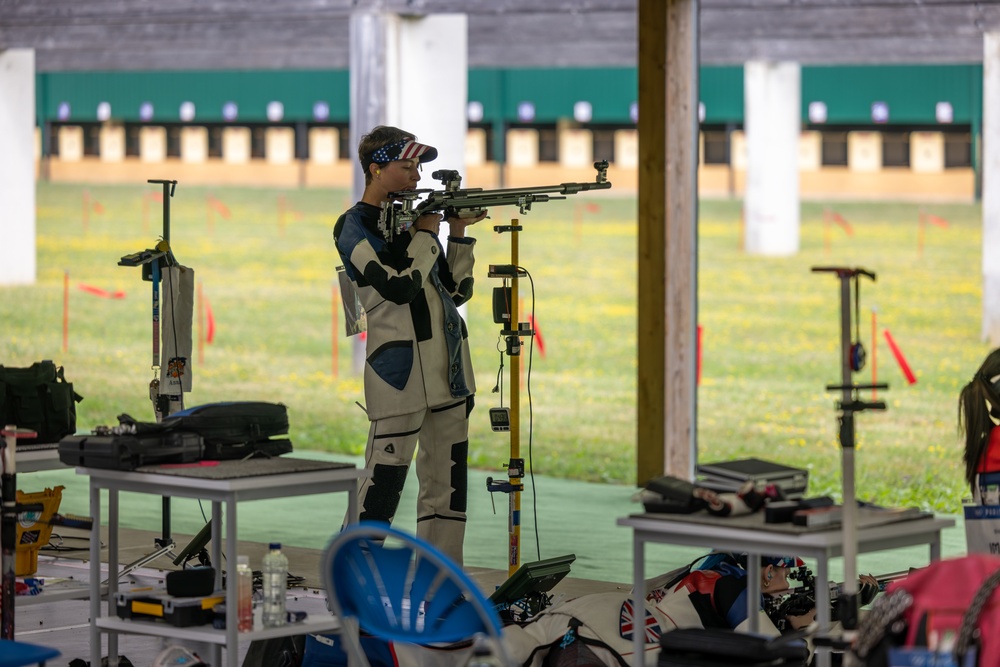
(450, 179)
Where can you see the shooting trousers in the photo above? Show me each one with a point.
(442, 471)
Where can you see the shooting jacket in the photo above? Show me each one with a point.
(417, 349)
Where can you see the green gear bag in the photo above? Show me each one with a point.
(38, 398)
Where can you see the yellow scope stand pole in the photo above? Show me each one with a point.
(515, 468)
(511, 420)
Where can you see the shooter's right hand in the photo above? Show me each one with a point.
(429, 222)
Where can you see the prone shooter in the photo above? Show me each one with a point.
(800, 600)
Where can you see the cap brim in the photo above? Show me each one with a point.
(417, 151)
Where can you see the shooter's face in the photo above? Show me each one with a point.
(400, 175)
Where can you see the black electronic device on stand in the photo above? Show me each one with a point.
(852, 359)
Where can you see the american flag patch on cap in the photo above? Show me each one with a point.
(408, 149)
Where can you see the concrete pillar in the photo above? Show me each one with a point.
(810, 151)
(475, 147)
(70, 143)
(738, 150)
(927, 152)
(864, 151)
(576, 147)
(194, 144)
(323, 143)
(279, 145)
(772, 124)
(991, 188)
(392, 57)
(18, 261)
(522, 148)
(236, 145)
(152, 144)
(112, 139)
(626, 149)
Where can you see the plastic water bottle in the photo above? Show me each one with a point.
(275, 572)
(244, 593)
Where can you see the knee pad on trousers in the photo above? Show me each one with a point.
(382, 497)
(459, 477)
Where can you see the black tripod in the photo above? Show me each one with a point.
(852, 360)
(153, 262)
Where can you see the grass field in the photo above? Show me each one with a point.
(770, 328)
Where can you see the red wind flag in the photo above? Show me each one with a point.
(104, 294)
(937, 220)
(839, 219)
(209, 321)
(900, 359)
(538, 335)
(219, 207)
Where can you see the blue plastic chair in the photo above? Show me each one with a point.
(16, 654)
(397, 587)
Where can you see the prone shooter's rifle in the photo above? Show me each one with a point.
(403, 208)
(799, 600)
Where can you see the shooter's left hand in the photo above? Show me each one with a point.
(458, 224)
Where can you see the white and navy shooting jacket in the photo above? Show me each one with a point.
(417, 353)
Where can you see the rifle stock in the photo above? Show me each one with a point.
(403, 209)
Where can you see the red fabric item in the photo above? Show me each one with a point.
(104, 294)
(209, 322)
(538, 334)
(900, 359)
(991, 457)
(942, 592)
(219, 207)
(937, 220)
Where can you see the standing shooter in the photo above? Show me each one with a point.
(419, 384)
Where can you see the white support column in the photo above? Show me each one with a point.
(991, 181)
(18, 261)
(772, 99)
(435, 46)
(392, 59)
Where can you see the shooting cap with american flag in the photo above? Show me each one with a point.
(407, 149)
(782, 561)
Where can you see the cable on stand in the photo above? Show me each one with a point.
(852, 360)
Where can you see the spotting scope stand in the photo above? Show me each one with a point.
(512, 334)
(851, 361)
(454, 201)
(153, 261)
